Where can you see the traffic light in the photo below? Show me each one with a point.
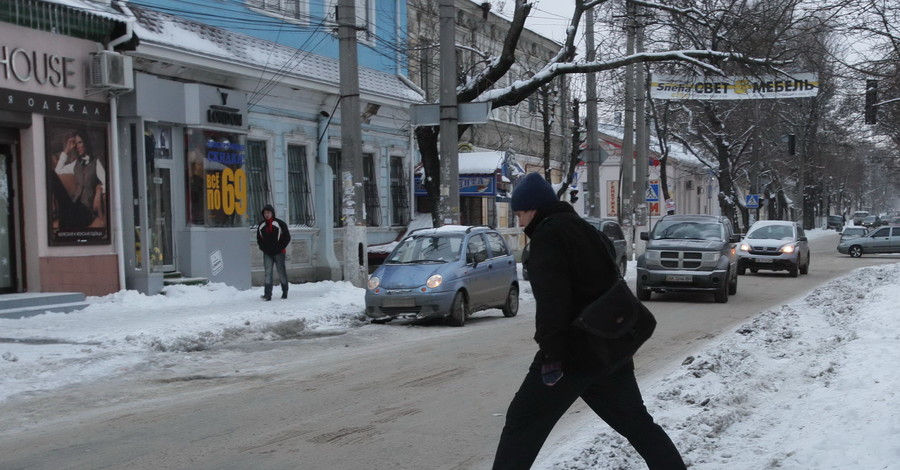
(871, 100)
(573, 196)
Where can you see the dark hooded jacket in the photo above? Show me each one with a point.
(272, 236)
(569, 266)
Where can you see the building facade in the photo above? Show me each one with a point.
(59, 230)
(221, 123)
(517, 132)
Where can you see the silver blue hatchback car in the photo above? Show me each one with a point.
(448, 272)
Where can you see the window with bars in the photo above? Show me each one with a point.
(334, 161)
(373, 204)
(257, 168)
(300, 204)
(399, 193)
(295, 10)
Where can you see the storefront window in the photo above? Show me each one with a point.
(216, 179)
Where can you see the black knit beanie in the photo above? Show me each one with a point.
(532, 192)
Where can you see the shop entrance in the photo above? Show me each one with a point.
(8, 278)
(160, 166)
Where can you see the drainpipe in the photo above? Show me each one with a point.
(114, 141)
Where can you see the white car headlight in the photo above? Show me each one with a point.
(434, 281)
(745, 247)
(788, 249)
(651, 255)
(374, 282)
(710, 256)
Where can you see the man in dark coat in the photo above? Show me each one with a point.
(272, 236)
(569, 266)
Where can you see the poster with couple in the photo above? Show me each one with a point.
(77, 160)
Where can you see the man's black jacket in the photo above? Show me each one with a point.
(569, 266)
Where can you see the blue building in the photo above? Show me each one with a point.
(235, 105)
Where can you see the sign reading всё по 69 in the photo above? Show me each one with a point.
(227, 191)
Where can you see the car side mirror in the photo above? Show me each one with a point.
(645, 236)
(802, 239)
(735, 238)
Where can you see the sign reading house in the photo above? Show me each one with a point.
(673, 87)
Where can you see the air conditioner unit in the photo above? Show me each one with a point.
(111, 70)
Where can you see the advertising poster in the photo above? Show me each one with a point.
(77, 160)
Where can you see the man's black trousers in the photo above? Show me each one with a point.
(615, 398)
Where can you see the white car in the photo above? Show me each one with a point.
(774, 245)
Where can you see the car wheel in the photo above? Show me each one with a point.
(754, 270)
(722, 293)
(511, 307)
(642, 294)
(856, 251)
(458, 310)
(805, 268)
(732, 287)
(794, 270)
(742, 271)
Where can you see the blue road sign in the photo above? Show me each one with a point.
(653, 192)
(752, 201)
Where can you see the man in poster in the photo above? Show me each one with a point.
(77, 185)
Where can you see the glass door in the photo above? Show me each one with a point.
(7, 229)
(158, 153)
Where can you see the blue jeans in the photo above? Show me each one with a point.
(615, 398)
(278, 261)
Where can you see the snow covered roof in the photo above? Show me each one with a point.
(96, 8)
(155, 27)
(480, 163)
(676, 151)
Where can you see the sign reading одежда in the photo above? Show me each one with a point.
(673, 87)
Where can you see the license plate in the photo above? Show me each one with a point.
(399, 302)
(679, 278)
(764, 260)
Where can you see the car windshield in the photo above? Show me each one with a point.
(854, 231)
(427, 249)
(834, 218)
(687, 230)
(772, 232)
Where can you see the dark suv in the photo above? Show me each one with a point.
(689, 253)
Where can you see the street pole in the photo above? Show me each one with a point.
(641, 129)
(593, 162)
(449, 189)
(355, 260)
(628, 137)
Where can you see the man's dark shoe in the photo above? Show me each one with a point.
(265, 297)
(284, 295)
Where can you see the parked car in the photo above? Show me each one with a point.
(894, 221)
(853, 232)
(448, 272)
(689, 253)
(871, 221)
(881, 240)
(858, 217)
(610, 228)
(834, 222)
(774, 245)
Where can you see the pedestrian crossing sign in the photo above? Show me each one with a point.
(653, 192)
(753, 201)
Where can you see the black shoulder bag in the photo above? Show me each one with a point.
(618, 323)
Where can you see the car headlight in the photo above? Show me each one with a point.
(710, 257)
(745, 247)
(651, 255)
(374, 282)
(434, 281)
(787, 249)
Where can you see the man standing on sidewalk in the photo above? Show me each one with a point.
(272, 236)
